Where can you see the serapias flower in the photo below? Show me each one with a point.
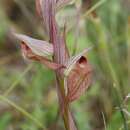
(73, 74)
(76, 70)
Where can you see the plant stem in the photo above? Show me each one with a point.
(61, 55)
(64, 106)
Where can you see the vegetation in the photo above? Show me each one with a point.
(27, 90)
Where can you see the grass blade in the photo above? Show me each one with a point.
(25, 113)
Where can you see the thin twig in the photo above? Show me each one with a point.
(104, 121)
(93, 8)
(17, 81)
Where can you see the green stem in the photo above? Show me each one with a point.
(67, 118)
(64, 108)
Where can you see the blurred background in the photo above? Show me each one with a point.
(28, 99)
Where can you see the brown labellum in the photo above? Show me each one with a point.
(79, 79)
